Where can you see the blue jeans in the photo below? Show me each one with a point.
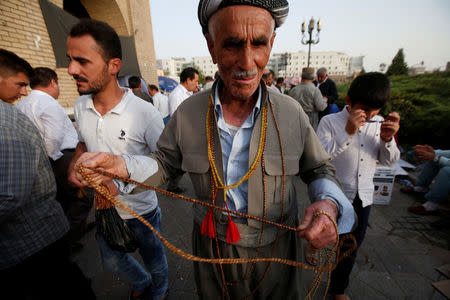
(440, 188)
(152, 252)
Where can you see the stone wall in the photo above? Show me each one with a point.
(23, 31)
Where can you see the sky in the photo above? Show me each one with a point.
(375, 29)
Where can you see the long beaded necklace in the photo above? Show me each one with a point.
(208, 227)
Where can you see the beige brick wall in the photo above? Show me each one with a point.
(23, 31)
(143, 36)
(115, 13)
(127, 18)
(58, 3)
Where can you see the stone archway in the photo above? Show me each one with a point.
(115, 13)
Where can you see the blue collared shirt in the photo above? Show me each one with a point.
(235, 153)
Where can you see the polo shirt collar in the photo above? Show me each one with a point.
(119, 108)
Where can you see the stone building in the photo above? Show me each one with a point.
(36, 30)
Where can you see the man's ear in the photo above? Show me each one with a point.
(114, 65)
(272, 39)
(210, 42)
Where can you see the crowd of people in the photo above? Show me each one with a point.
(219, 136)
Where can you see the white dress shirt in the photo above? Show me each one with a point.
(161, 102)
(355, 157)
(133, 127)
(50, 118)
(178, 95)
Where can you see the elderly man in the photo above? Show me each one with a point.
(328, 89)
(240, 35)
(309, 97)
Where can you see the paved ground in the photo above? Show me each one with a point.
(397, 260)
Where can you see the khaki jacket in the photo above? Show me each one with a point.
(182, 147)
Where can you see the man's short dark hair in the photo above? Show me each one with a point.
(208, 78)
(42, 77)
(153, 87)
(272, 73)
(371, 89)
(188, 73)
(103, 34)
(11, 64)
(134, 82)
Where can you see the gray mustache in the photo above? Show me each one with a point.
(243, 74)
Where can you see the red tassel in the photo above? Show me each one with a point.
(232, 232)
(208, 225)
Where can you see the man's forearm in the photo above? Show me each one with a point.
(325, 189)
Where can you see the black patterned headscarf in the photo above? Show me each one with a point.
(278, 9)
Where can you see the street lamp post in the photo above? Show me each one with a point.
(311, 41)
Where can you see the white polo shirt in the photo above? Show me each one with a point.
(132, 127)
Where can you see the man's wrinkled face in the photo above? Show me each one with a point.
(13, 87)
(87, 65)
(240, 41)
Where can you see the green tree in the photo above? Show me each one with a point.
(398, 65)
(423, 102)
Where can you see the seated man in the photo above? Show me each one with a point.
(437, 168)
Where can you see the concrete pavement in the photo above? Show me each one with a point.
(396, 261)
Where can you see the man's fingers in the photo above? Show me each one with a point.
(320, 233)
(306, 219)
